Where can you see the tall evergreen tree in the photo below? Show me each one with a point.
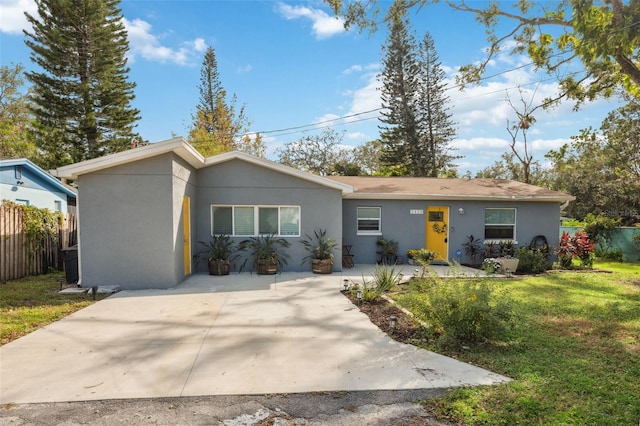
(82, 97)
(435, 122)
(216, 127)
(399, 77)
(419, 129)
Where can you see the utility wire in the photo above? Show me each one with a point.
(319, 125)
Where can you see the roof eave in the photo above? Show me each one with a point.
(47, 176)
(281, 168)
(177, 145)
(441, 197)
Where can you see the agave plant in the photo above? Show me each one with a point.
(218, 252)
(265, 249)
(319, 246)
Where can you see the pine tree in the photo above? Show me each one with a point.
(82, 98)
(437, 128)
(399, 83)
(217, 128)
(419, 129)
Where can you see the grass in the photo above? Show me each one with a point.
(574, 354)
(33, 302)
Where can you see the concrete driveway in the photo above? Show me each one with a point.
(240, 334)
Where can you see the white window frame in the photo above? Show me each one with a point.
(514, 224)
(379, 219)
(256, 218)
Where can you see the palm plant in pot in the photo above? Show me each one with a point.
(320, 248)
(219, 252)
(266, 253)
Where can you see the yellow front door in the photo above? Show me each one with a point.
(437, 235)
(186, 231)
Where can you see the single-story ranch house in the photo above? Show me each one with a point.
(143, 211)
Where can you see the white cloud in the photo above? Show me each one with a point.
(12, 12)
(366, 98)
(545, 145)
(357, 136)
(244, 69)
(145, 43)
(368, 68)
(352, 69)
(141, 39)
(480, 143)
(327, 117)
(199, 45)
(324, 25)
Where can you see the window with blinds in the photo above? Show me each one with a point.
(369, 220)
(500, 224)
(255, 220)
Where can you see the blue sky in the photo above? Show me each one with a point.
(292, 65)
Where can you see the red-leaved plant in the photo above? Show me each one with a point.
(579, 245)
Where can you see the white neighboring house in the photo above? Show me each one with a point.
(22, 182)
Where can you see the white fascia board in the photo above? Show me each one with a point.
(177, 145)
(280, 168)
(440, 197)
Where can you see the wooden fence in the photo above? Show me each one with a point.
(17, 260)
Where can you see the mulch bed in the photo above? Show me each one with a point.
(379, 311)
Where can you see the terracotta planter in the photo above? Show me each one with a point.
(322, 266)
(267, 267)
(219, 267)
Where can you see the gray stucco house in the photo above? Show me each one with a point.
(142, 211)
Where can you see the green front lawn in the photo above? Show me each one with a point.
(33, 302)
(574, 354)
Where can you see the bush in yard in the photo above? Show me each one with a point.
(423, 257)
(601, 229)
(466, 310)
(616, 254)
(532, 261)
(385, 278)
(579, 245)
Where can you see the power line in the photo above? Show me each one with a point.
(319, 125)
(319, 122)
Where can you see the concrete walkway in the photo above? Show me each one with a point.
(240, 334)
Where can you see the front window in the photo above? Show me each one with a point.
(290, 221)
(500, 224)
(243, 221)
(268, 220)
(255, 220)
(369, 220)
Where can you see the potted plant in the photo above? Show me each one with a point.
(424, 257)
(218, 252)
(266, 253)
(390, 252)
(320, 248)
